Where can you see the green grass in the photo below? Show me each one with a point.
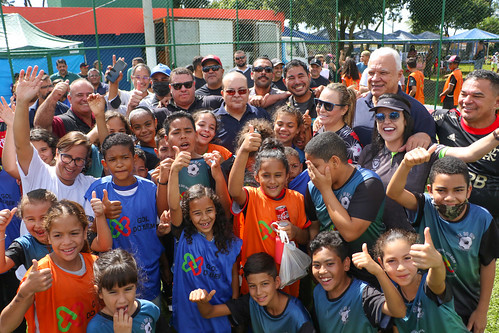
(493, 314)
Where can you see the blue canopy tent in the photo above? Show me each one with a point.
(308, 38)
(471, 39)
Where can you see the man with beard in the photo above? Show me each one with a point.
(277, 81)
(47, 91)
(263, 94)
(62, 72)
(94, 79)
(213, 73)
(241, 66)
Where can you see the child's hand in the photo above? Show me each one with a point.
(182, 159)
(307, 120)
(29, 83)
(97, 205)
(317, 124)
(321, 181)
(363, 260)
(6, 113)
(164, 168)
(252, 141)
(213, 159)
(38, 280)
(425, 255)
(418, 156)
(201, 296)
(5, 218)
(122, 322)
(164, 226)
(477, 321)
(112, 209)
(290, 229)
(97, 104)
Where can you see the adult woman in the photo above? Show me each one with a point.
(335, 112)
(351, 75)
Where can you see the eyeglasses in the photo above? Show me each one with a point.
(67, 159)
(380, 117)
(327, 105)
(259, 69)
(178, 86)
(240, 91)
(47, 86)
(240, 58)
(142, 77)
(214, 68)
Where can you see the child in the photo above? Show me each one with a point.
(429, 302)
(464, 233)
(255, 208)
(133, 227)
(45, 143)
(452, 88)
(266, 308)
(116, 122)
(60, 285)
(116, 280)
(140, 164)
(205, 254)
(298, 178)
(143, 125)
(415, 81)
(287, 122)
(206, 129)
(166, 156)
(343, 303)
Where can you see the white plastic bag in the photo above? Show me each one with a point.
(294, 262)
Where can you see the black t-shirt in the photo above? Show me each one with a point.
(199, 82)
(279, 84)
(320, 81)
(205, 91)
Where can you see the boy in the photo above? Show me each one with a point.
(266, 308)
(133, 228)
(341, 197)
(415, 81)
(463, 233)
(343, 303)
(140, 164)
(453, 84)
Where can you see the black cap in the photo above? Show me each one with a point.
(392, 104)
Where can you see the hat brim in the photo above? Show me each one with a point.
(394, 108)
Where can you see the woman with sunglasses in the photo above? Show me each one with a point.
(393, 127)
(335, 112)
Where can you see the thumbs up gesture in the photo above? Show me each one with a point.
(97, 205)
(363, 260)
(201, 296)
(182, 159)
(252, 140)
(5, 218)
(307, 120)
(38, 279)
(425, 255)
(112, 209)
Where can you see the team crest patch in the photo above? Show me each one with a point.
(345, 199)
(418, 310)
(146, 325)
(466, 240)
(193, 169)
(375, 163)
(345, 313)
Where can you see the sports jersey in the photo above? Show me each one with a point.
(418, 77)
(26, 248)
(458, 77)
(198, 265)
(349, 81)
(197, 172)
(464, 246)
(484, 173)
(255, 218)
(144, 319)
(295, 318)
(11, 194)
(428, 312)
(352, 141)
(300, 183)
(346, 313)
(135, 229)
(69, 304)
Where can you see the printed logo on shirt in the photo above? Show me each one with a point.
(452, 137)
(418, 310)
(68, 317)
(191, 264)
(265, 230)
(344, 199)
(146, 325)
(193, 169)
(122, 227)
(449, 261)
(345, 313)
(375, 164)
(465, 240)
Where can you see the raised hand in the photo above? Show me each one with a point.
(97, 104)
(182, 159)
(38, 280)
(28, 85)
(112, 209)
(6, 113)
(418, 156)
(164, 226)
(213, 159)
(252, 140)
(425, 255)
(307, 120)
(201, 296)
(97, 205)
(5, 218)
(364, 260)
(321, 181)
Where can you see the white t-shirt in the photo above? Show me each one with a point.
(42, 175)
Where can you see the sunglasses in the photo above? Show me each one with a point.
(214, 68)
(259, 69)
(240, 58)
(178, 86)
(240, 91)
(327, 105)
(380, 117)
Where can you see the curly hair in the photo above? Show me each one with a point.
(222, 231)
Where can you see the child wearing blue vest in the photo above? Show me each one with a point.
(344, 303)
(265, 307)
(464, 233)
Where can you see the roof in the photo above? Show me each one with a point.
(309, 38)
(475, 34)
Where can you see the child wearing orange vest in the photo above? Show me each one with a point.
(453, 85)
(415, 82)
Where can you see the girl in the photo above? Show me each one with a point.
(61, 283)
(335, 111)
(430, 307)
(116, 278)
(351, 75)
(206, 129)
(255, 208)
(116, 122)
(287, 123)
(45, 143)
(206, 251)
(143, 124)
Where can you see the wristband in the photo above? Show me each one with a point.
(160, 183)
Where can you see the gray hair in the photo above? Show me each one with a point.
(387, 51)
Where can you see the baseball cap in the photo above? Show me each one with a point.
(392, 104)
(211, 57)
(83, 64)
(316, 62)
(454, 58)
(161, 68)
(277, 61)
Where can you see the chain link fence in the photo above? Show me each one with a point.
(173, 32)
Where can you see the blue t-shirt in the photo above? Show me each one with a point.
(33, 249)
(144, 319)
(11, 194)
(198, 265)
(300, 182)
(135, 229)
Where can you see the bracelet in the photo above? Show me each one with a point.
(496, 135)
(160, 183)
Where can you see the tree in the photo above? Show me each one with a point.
(490, 24)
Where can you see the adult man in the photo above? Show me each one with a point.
(364, 60)
(479, 58)
(160, 77)
(242, 67)
(453, 84)
(45, 92)
(94, 79)
(263, 94)
(315, 71)
(78, 118)
(235, 111)
(198, 71)
(384, 73)
(213, 73)
(415, 81)
(183, 96)
(62, 72)
(277, 81)
(83, 70)
(476, 117)
(135, 62)
(98, 66)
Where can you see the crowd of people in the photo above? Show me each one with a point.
(117, 203)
